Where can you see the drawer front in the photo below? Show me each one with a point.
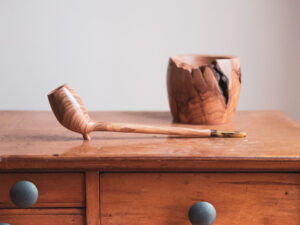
(54, 189)
(43, 217)
(165, 198)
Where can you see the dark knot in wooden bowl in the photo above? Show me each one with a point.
(203, 89)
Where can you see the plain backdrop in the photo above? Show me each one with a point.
(115, 53)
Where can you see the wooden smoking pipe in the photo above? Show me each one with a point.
(71, 113)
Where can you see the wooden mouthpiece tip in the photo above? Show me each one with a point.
(231, 134)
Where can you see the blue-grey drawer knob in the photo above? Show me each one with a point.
(4, 224)
(24, 194)
(202, 213)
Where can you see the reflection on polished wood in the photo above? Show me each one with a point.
(83, 182)
(31, 140)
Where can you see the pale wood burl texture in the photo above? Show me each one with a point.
(36, 141)
(55, 189)
(165, 198)
(42, 216)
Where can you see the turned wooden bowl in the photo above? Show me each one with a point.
(203, 89)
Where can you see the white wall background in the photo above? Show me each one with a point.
(115, 53)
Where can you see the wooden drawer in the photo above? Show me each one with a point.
(165, 198)
(42, 217)
(55, 189)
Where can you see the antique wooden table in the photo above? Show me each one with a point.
(140, 179)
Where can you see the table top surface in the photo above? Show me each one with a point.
(34, 140)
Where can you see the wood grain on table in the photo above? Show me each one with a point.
(35, 140)
(43, 216)
(165, 198)
(55, 189)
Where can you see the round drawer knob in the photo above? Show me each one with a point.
(24, 194)
(4, 224)
(202, 213)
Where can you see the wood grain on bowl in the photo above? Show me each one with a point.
(203, 89)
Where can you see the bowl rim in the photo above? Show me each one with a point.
(216, 56)
(183, 63)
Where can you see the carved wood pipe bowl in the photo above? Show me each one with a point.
(203, 89)
(71, 113)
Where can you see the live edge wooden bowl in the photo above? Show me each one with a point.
(203, 89)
